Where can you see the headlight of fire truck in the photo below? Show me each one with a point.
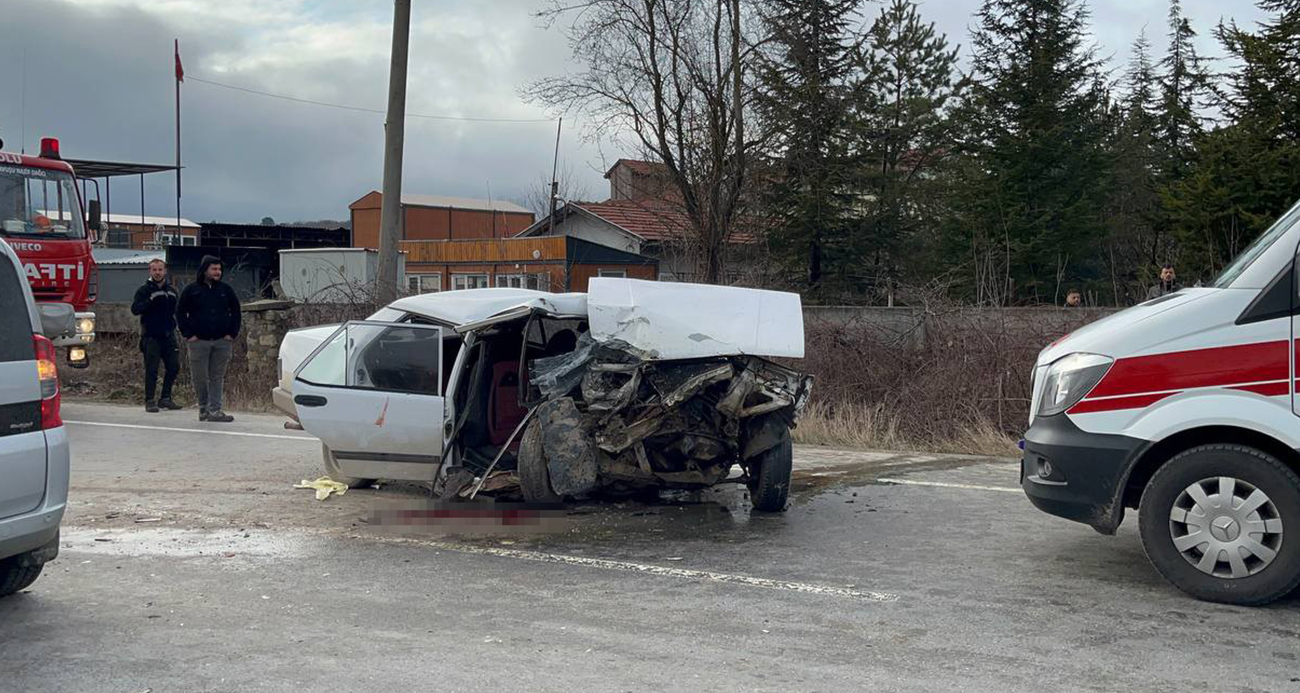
(1069, 379)
(86, 327)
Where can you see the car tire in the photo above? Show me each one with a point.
(769, 476)
(534, 478)
(1191, 530)
(15, 578)
(333, 471)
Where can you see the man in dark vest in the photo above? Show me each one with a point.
(155, 303)
(208, 317)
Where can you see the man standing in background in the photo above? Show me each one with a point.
(155, 303)
(208, 316)
(1168, 283)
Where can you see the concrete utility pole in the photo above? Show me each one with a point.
(390, 212)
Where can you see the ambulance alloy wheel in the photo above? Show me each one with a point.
(1222, 523)
(332, 470)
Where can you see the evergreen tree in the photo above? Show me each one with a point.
(1184, 89)
(1248, 172)
(1134, 210)
(1031, 217)
(902, 134)
(803, 102)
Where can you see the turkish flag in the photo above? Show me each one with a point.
(180, 71)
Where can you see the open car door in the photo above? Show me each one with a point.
(372, 392)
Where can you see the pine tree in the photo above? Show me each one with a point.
(803, 102)
(902, 135)
(1248, 172)
(1184, 89)
(1134, 209)
(1031, 217)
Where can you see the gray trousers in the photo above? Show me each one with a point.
(208, 361)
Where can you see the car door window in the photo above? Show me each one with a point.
(379, 356)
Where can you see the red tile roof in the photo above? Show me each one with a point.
(640, 168)
(652, 220)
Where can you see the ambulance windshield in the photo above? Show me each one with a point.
(1256, 249)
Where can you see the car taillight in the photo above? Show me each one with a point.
(48, 372)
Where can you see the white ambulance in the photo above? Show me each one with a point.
(1185, 408)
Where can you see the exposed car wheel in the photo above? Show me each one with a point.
(769, 476)
(332, 470)
(534, 478)
(1222, 523)
(15, 578)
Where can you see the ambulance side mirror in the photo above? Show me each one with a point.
(94, 221)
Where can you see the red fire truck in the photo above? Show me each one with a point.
(42, 219)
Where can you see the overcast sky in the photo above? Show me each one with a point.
(98, 75)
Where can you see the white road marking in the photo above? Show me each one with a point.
(662, 571)
(171, 542)
(944, 484)
(191, 430)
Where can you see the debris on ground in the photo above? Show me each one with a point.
(324, 486)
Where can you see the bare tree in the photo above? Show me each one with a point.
(537, 197)
(669, 75)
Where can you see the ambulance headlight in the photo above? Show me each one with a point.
(1069, 379)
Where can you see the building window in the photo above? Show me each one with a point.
(538, 281)
(469, 281)
(423, 283)
(613, 273)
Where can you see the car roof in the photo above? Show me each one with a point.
(467, 306)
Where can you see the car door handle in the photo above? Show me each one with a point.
(309, 400)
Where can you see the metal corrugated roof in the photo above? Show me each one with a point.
(122, 256)
(463, 203)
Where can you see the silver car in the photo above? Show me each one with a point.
(34, 460)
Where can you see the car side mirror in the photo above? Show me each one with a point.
(94, 222)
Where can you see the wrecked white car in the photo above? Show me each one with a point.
(632, 386)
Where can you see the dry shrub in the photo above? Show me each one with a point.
(943, 378)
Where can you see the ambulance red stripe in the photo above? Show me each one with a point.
(1183, 370)
(1133, 402)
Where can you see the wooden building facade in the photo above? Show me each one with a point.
(553, 263)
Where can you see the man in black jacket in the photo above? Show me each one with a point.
(208, 317)
(155, 303)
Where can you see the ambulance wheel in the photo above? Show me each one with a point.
(333, 471)
(769, 476)
(534, 478)
(1222, 523)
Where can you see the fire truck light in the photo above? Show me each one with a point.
(50, 148)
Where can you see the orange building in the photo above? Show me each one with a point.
(436, 217)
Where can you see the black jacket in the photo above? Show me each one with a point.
(156, 305)
(208, 311)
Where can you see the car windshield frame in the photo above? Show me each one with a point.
(1257, 248)
(39, 203)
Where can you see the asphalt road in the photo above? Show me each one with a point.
(889, 572)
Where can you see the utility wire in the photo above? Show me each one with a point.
(367, 110)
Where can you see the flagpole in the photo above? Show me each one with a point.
(179, 76)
